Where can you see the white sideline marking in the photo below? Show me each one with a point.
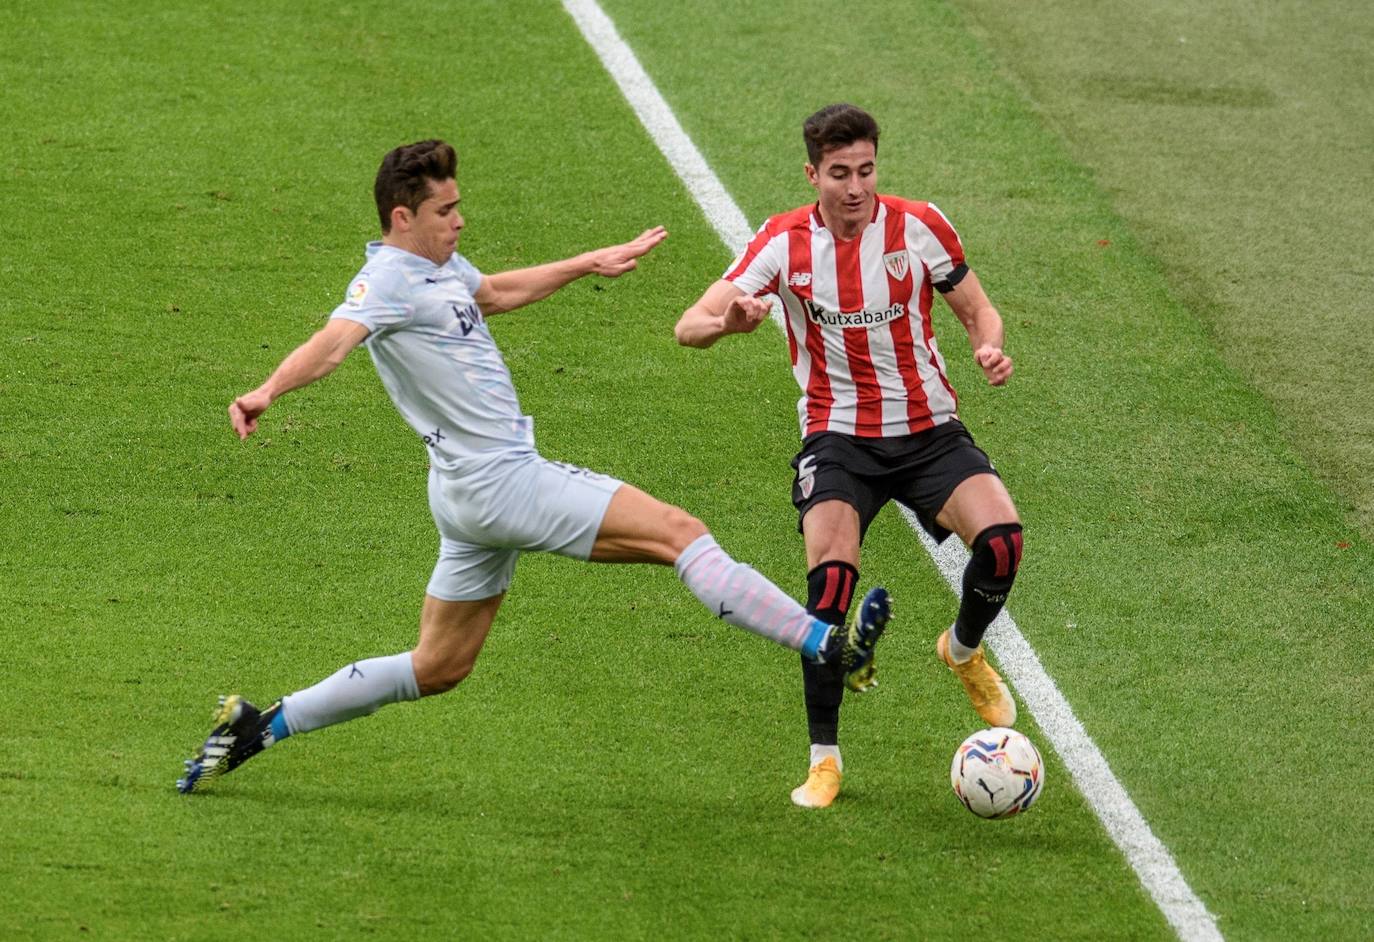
(1150, 859)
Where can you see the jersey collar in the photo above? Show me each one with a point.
(817, 222)
(401, 257)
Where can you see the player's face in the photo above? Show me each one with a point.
(436, 224)
(846, 182)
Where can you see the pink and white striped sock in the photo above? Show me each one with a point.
(739, 595)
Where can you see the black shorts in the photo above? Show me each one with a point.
(917, 471)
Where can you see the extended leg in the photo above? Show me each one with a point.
(640, 528)
(451, 635)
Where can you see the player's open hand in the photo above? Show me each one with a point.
(244, 412)
(744, 313)
(996, 364)
(615, 260)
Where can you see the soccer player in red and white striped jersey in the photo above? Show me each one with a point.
(856, 273)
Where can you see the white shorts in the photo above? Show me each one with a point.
(514, 503)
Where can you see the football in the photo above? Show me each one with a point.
(997, 773)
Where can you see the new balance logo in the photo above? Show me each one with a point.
(799, 279)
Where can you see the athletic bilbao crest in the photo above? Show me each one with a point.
(897, 264)
(806, 476)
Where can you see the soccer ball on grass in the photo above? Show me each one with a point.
(997, 773)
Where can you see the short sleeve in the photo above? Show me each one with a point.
(467, 272)
(755, 270)
(377, 300)
(938, 245)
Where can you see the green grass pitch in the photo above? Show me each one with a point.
(186, 192)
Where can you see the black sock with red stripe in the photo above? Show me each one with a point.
(988, 577)
(829, 590)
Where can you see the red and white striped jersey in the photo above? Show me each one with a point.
(858, 314)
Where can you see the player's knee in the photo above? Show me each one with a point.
(995, 558)
(682, 529)
(440, 675)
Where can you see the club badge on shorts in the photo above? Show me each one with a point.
(806, 476)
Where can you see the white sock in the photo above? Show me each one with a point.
(351, 692)
(820, 753)
(958, 651)
(738, 594)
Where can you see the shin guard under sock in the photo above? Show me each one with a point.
(829, 591)
(994, 558)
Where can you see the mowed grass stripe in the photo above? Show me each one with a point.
(1235, 138)
(1128, 829)
(1188, 582)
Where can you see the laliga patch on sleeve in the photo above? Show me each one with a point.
(357, 292)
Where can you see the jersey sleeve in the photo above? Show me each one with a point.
(377, 300)
(755, 270)
(471, 277)
(935, 240)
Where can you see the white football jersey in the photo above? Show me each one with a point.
(435, 355)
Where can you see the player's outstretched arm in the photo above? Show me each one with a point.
(509, 290)
(723, 309)
(970, 304)
(315, 358)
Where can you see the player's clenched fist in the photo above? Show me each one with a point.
(244, 412)
(996, 364)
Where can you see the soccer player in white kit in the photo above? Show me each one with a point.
(855, 273)
(420, 309)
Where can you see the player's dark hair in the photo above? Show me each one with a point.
(404, 176)
(837, 126)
